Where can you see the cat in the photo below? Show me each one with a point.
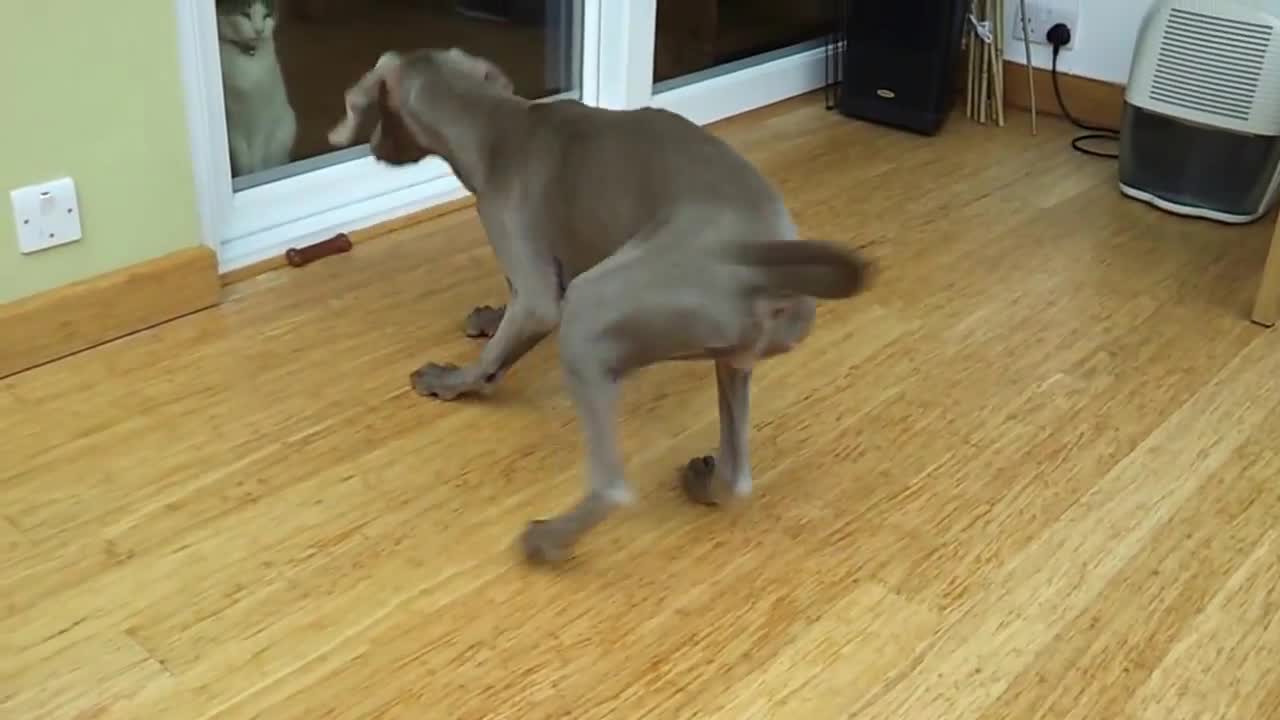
(261, 123)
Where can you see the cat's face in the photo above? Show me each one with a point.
(246, 23)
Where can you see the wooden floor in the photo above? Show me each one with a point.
(1032, 475)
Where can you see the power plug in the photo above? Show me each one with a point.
(1059, 36)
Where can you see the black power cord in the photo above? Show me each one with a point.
(1058, 36)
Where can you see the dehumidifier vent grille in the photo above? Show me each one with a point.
(1210, 64)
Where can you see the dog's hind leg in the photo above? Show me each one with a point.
(707, 480)
(639, 307)
(591, 375)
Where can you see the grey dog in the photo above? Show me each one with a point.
(640, 235)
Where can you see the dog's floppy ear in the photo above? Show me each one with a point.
(393, 142)
(481, 69)
(365, 102)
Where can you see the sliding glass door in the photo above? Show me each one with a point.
(697, 38)
(266, 80)
(265, 83)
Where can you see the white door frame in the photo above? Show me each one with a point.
(206, 121)
(617, 50)
(624, 52)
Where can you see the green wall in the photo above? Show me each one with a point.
(92, 89)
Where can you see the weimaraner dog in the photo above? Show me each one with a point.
(641, 236)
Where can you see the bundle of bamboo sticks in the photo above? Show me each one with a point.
(984, 35)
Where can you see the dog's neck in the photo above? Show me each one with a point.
(475, 127)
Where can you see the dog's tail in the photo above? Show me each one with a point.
(806, 267)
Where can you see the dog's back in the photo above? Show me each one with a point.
(604, 176)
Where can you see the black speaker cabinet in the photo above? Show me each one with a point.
(899, 61)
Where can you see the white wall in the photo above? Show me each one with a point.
(1104, 40)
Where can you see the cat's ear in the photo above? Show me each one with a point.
(481, 69)
(364, 100)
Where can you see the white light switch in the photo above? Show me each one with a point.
(46, 215)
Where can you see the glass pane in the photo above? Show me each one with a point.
(287, 63)
(697, 35)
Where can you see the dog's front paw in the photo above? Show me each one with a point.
(445, 381)
(543, 543)
(483, 321)
(698, 480)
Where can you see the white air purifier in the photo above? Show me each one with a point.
(1201, 134)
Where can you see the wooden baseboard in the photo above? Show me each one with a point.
(357, 237)
(1093, 102)
(64, 321)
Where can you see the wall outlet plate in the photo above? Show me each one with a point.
(46, 215)
(1044, 14)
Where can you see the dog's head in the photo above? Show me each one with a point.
(393, 103)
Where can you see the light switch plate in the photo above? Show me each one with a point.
(46, 215)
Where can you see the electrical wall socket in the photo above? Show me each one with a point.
(46, 215)
(1044, 14)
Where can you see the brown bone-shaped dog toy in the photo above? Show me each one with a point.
(335, 245)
